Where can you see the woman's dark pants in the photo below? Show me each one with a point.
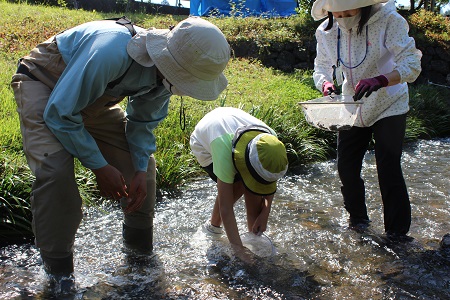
(388, 134)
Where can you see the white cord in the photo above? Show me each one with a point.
(441, 85)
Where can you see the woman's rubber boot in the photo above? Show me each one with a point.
(138, 239)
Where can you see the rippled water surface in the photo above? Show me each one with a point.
(317, 257)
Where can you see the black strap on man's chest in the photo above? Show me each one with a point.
(129, 25)
(125, 22)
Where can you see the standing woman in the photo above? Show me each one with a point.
(364, 47)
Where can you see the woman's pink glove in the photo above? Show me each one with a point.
(328, 88)
(369, 85)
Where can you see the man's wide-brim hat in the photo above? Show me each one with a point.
(321, 8)
(191, 56)
(260, 159)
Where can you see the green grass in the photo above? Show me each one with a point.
(15, 183)
(430, 108)
(267, 94)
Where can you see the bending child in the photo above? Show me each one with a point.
(244, 156)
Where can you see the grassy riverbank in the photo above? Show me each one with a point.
(268, 94)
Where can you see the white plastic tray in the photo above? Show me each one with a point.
(332, 113)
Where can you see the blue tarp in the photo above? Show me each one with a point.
(267, 8)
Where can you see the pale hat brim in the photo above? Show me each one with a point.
(321, 8)
(189, 85)
(137, 49)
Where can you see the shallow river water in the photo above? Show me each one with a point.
(314, 255)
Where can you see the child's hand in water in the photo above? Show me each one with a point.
(244, 254)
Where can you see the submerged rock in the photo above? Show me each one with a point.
(445, 242)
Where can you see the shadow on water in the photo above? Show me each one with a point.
(265, 279)
(316, 257)
(414, 271)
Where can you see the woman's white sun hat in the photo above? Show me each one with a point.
(321, 8)
(191, 56)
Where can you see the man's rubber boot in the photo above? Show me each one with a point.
(138, 239)
(58, 266)
(60, 274)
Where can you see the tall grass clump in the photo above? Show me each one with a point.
(429, 112)
(10, 132)
(15, 188)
